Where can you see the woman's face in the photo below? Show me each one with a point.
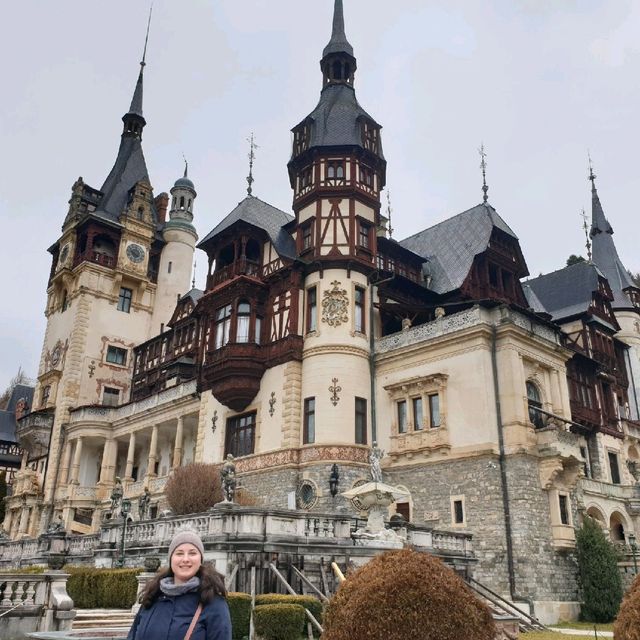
(185, 562)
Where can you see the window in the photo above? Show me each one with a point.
(417, 413)
(124, 300)
(533, 398)
(458, 511)
(65, 302)
(307, 237)
(312, 309)
(258, 329)
(240, 436)
(309, 431)
(335, 170)
(434, 410)
(242, 327)
(361, 421)
(222, 324)
(110, 397)
(402, 416)
(614, 468)
(116, 355)
(584, 452)
(359, 310)
(563, 503)
(169, 266)
(363, 235)
(46, 392)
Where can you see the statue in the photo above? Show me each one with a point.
(228, 476)
(57, 525)
(634, 469)
(375, 455)
(143, 504)
(116, 498)
(406, 324)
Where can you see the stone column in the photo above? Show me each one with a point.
(75, 467)
(24, 520)
(131, 453)
(177, 447)
(153, 453)
(107, 469)
(556, 393)
(66, 459)
(23, 462)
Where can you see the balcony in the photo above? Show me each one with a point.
(590, 418)
(241, 267)
(96, 257)
(608, 490)
(34, 430)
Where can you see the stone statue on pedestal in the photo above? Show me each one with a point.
(57, 525)
(116, 498)
(375, 455)
(228, 476)
(143, 504)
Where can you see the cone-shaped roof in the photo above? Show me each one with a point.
(338, 42)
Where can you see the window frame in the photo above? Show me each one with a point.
(222, 326)
(359, 308)
(616, 478)
(311, 309)
(114, 392)
(360, 417)
(455, 501)
(125, 298)
(535, 417)
(432, 422)
(309, 423)
(235, 431)
(113, 354)
(402, 417)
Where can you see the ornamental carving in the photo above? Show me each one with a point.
(335, 305)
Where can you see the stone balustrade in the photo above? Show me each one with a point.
(34, 602)
(606, 489)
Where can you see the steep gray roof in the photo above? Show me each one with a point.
(136, 102)
(451, 245)
(605, 254)
(336, 120)
(194, 295)
(566, 292)
(8, 416)
(254, 211)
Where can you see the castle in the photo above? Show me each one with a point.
(506, 408)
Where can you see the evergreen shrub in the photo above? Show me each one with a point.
(279, 621)
(194, 488)
(406, 594)
(599, 576)
(240, 610)
(627, 625)
(308, 602)
(93, 588)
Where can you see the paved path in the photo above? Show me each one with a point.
(583, 632)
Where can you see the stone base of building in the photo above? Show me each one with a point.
(551, 612)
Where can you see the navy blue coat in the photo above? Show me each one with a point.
(169, 618)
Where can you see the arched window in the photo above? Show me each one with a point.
(533, 398)
(243, 319)
(140, 213)
(182, 202)
(65, 302)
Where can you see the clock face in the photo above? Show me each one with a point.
(135, 253)
(64, 254)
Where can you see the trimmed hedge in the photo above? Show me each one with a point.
(402, 595)
(308, 602)
(279, 621)
(627, 625)
(240, 610)
(92, 588)
(34, 568)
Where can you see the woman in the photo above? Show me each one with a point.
(188, 596)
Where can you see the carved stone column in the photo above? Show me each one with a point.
(131, 454)
(177, 447)
(107, 468)
(24, 520)
(153, 453)
(64, 467)
(75, 467)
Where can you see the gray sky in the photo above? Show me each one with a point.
(538, 81)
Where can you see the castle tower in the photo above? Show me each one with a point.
(337, 170)
(626, 294)
(177, 255)
(100, 299)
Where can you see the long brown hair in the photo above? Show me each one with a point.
(211, 585)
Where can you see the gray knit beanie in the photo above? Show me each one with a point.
(183, 537)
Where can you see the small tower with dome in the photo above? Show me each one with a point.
(174, 273)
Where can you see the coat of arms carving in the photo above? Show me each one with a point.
(335, 305)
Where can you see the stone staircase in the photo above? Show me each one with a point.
(103, 618)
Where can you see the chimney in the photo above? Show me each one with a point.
(161, 203)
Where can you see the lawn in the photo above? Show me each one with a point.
(551, 635)
(584, 625)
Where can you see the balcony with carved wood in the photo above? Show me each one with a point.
(96, 257)
(241, 267)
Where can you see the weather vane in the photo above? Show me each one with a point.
(193, 281)
(585, 226)
(389, 210)
(483, 166)
(252, 156)
(592, 176)
(186, 165)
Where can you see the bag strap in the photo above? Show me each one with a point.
(194, 620)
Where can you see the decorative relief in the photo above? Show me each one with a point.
(214, 421)
(272, 403)
(92, 368)
(335, 390)
(357, 504)
(55, 357)
(335, 306)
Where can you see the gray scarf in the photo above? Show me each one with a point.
(170, 588)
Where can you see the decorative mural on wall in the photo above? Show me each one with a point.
(335, 305)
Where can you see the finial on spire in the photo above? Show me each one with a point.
(193, 280)
(338, 42)
(252, 155)
(389, 210)
(146, 38)
(585, 227)
(483, 166)
(186, 167)
(592, 176)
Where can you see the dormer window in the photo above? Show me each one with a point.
(307, 236)
(305, 181)
(301, 140)
(370, 137)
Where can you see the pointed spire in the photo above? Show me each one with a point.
(585, 228)
(338, 42)
(483, 166)
(599, 223)
(135, 109)
(186, 167)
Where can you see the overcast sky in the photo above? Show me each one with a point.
(538, 81)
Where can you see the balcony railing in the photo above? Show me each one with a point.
(96, 257)
(241, 267)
